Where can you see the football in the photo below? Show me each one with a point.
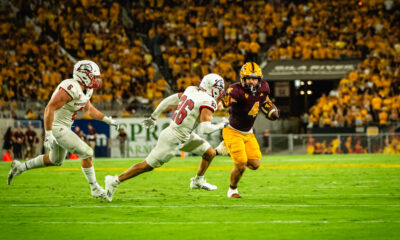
(270, 111)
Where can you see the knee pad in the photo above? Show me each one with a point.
(154, 163)
(57, 156)
(86, 153)
(58, 163)
(56, 160)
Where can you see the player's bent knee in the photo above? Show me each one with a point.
(57, 162)
(253, 164)
(241, 167)
(87, 153)
(150, 164)
(209, 155)
(56, 159)
(253, 167)
(146, 167)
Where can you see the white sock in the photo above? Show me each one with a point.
(199, 177)
(90, 177)
(116, 180)
(36, 162)
(233, 190)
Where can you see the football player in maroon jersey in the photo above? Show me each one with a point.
(244, 100)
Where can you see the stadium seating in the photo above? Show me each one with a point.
(369, 94)
(343, 30)
(188, 39)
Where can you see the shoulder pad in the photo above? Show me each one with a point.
(235, 91)
(210, 103)
(264, 87)
(70, 87)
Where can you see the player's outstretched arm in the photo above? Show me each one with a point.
(164, 104)
(205, 126)
(96, 114)
(93, 111)
(227, 100)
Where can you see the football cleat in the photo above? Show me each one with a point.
(111, 186)
(233, 193)
(222, 150)
(201, 184)
(98, 192)
(14, 171)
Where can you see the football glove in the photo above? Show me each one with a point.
(49, 141)
(226, 100)
(111, 122)
(149, 122)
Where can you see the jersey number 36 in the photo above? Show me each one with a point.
(184, 106)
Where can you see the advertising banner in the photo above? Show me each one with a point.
(308, 69)
(141, 140)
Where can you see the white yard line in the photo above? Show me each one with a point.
(207, 222)
(110, 205)
(218, 195)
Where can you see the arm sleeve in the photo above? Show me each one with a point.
(171, 100)
(207, 127)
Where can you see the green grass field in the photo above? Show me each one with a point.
(289, 197)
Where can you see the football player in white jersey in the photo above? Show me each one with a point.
(70, 96)
(195, 109)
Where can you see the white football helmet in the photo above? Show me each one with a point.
(88, 73)
(213, 84)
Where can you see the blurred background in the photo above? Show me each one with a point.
(333, 68)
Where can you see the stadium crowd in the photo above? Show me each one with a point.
(188, 39)
(34, 64)
(185, 37)
(366, 30)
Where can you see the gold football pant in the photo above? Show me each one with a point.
(241, 146)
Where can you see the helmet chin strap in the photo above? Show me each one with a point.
(253, 89)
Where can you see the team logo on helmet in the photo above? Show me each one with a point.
(219, 83)
(251, 70)
(213, 85)
(85, 68)
(88, 73)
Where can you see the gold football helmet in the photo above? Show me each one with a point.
(251, 70)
